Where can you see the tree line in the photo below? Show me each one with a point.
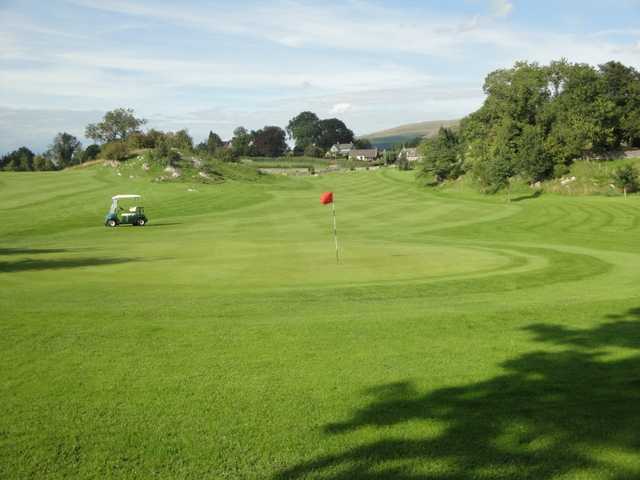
(537, 120)
(120, 131)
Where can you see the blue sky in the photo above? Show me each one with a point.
(215, 65)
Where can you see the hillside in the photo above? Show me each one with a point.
(403, 133)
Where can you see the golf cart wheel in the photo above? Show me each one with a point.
(111, 223)
(141, 222)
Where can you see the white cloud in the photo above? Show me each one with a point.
(339, 108)
(332, 58)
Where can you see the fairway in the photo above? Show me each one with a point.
(461, 337)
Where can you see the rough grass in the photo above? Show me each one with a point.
(461, 337)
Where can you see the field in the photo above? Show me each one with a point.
(462, 337)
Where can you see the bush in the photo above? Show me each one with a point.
(560, 170)
(115, 151)
(91, 153)
(226, 155)
(625, 178)
(313, 151)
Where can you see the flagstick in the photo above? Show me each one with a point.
(335, 231)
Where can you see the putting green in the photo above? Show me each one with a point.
(460, 337)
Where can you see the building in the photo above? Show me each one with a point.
(369, 154)
(412, 154)
(340, 150)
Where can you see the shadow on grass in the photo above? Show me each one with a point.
(30, 251)
(531, 196)
(165, 224)
(31, 264)
(574, 410)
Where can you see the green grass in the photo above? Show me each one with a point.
(462, 337)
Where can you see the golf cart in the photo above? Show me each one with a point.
(119, 216)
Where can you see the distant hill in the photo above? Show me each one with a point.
(404, 133)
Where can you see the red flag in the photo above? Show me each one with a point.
(326, 198)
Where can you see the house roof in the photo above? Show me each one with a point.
(368, 153)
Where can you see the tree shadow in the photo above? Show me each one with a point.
(30, 251)
(542, 419)
(531, 196)
(165, 224)
(31, 264)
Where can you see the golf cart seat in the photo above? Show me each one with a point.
(133, 209)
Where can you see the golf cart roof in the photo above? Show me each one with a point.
(121, 197)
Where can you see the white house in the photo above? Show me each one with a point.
(412, 154)
(341, 150)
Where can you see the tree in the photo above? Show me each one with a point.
(91, 152)
(180, 140)
(63, 148)
(531, 159)
(117, 124)
(362, 143)
(303, 128)
(442, 155)
(390, 157)
(270, 141)
(621, 86)
(332, 131)
(241, 142)
(213, 143)
(626, 179)
(20, 160)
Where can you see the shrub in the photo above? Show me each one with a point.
(560, 170)
(91, 153)
(313, 151)
(226, 155)
(626, 179)
(115, 151)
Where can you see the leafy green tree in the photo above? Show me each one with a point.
(332, 131)
(180, 140)
(621, 86)
(270, 141)
(442, 155)
(20, 160)
(153, 137)
(626, 179)
(91, 152)
(41, 163)
(362, 143)
(303, 128)
(241, 142)
(390, 157)
(116, 125)
(63, 148)
(531, 159)
(213, 143)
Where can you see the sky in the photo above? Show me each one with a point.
(215, 65)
